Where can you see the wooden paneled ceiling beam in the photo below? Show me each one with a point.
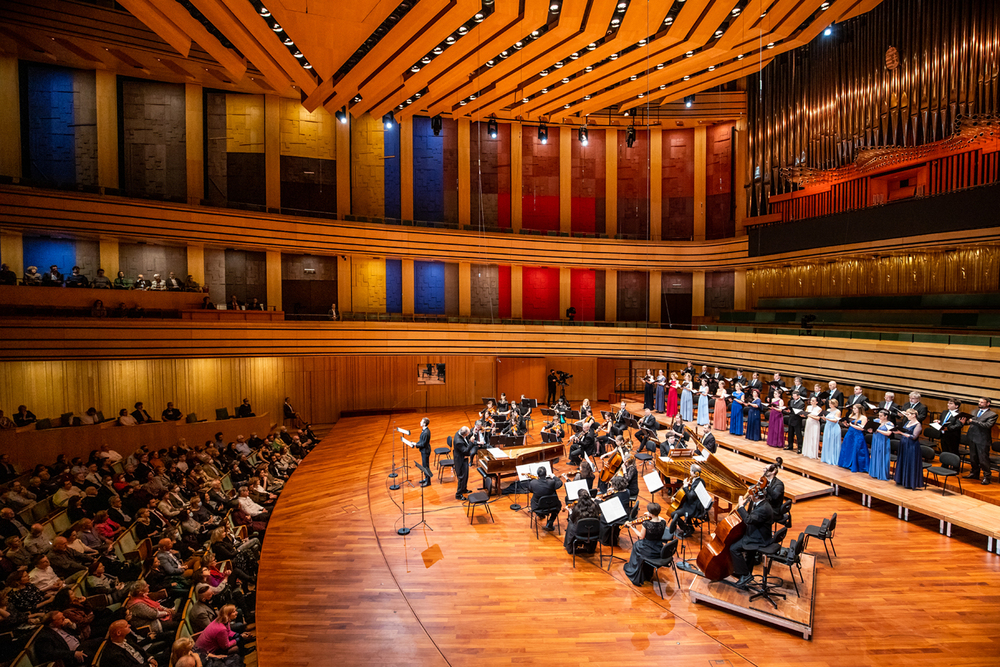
(158, 22)
(229, 59)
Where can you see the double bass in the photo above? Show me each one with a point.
(714, 559)
(612, 466)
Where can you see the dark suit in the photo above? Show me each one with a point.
(776, 494)
(951, 431)
(545, 487)
(586, 444)
(758, 534)
(114, 655)
(652, 425)
(708, 442)
(794, 422)
(854, 399)
(552, 384)
(13, 528)
(920, 408)
(755, 384)
(460, 455)
(838, 396)
(889, 407)
(803, 392)
(245, 411)
(691, 505)
(50, 646)
(141, 416)
(980, 437)
(424, 446)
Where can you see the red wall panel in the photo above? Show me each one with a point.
(678, 184)
(581, 293)
(540, 293)
(719, 220)
(589, 180)
(633, 185)
(504, 290)
(489, 168)
(540, 179)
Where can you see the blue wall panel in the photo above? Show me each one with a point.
(43, 253)
(428, 288)
(393, 285)
(428, 172)
(391, 152)
(51, 135)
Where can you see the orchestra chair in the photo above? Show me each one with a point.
(588, 531)
(766, 589)
(963, 450)
(927, 454)
(442, 451)
(666, 559)
(546, 505)
(792, 555)
(994, 460)
(446, 463)
(950, 465)
(893, 455)
(480, 498)
(645, 457)
(824, 531)
(784, 515)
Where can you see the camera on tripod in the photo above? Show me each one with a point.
(563, 377)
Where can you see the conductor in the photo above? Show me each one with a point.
(424, 446)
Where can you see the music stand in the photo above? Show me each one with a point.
(487, 399)
(404, 530)
(529, 402)
(548, 412)
(393, 475)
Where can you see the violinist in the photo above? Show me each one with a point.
(691, 505)
(631, 475)
(544, 486)
(619, 489)
(489, 414)
(586, 410)
(649, 545)
(480, 438)
(582, 443)
(555, 428)
(583, 508)
(561, 408)
(585, 472)
(648, 425)
(757, 519)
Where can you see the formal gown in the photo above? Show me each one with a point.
(810, 439)
(909, 463)
(854, 450)
(775, 427)
(648, 547)
(719, 416)
(648, 395)
(879, 465)
(831, 442)
(736, 418)
(659, 394)
(687, 402)
(703, 414)
(753, 419)
(672, 404)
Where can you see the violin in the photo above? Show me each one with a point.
(639, 519)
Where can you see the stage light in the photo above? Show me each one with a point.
(689, 101)
(582, 134)
(630, 136)
(491, 128)
(341, 115)
(543, 133)
(389, 120)
(828, 31)
(436, 125)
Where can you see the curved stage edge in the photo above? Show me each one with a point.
(339, 586)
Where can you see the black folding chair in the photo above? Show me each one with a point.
(666, 559)
(950, 465)
(544, 506)
(825, 531)
(480, 498)
(588, 531)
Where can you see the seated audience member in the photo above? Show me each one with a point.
(100, 583)
(256, 305)
(11, 525)
(7, 470)
(89, 417)
(121, 282)
(98, 310)
(121, 650)
(108, 454)
(77, 279)
(65, 561)
(256, 512)
(7, 277)
(24, 416)
(53, 278)
(234, 303)
(6, 423)
(173, 283)
(68, 490)
(245, 410)
(43, 576)
(18, 498)
(171, 414)
(58, 641)
(158, 284)
(191, 285)
(333, 313)
(147, 611)
(125, 419)
(32, 277)
(201, 613)
(17, 553)
(140, 414)
(140, 283)
(218, 638)
(206, 304)
(101, 281)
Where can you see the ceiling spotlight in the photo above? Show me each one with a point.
(566, 80)
(687, 76)
(588, 69)
(543, 134)
(825, 6)
(490, 63)
(425, 60)
(264, 12)
(518, 44)
(828, 31)
(437, 50)
(689, 54)
(289, 42)
(535, 33)
(437, 125)
(630, 136)
(472, 97)
(554, 7)
(736, 12)
(632, 78)
(504, 53)
(462, 103)
(524, 101)
(415, 68)
(544, 72)
(491, 128)
(389, 120)
(582, 134)
(574, 55)
(642, 95)
(770, 45)
(586, 97)
(416, 95)
(591, 46)
(462, 30)
(559, 64)
(662, 86)
(358, 98)
(642, 42)
(478, 18)
(450, 39)
(711, 68)
(626, 113)
(615, 21)
(689, 101)
(659, 66)
(276, 28)
(622, 5)
(613, 56)
(668, 20)
(566, 106)
(545, 90)
(739, 57)
(298, 54)
(307, 65)
(341, 115)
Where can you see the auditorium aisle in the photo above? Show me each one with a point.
(337, 585)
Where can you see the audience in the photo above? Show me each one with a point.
(32, 277)
(53, 278)
(101, 281)
(173, 283)
(171, 414)
(7, 277)
(121, 282)
(77, 279)
(24, 416)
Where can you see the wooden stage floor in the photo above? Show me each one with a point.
(338, 586)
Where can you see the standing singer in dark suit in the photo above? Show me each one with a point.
(424, 446)
(951, 427)
(460, 454)
(857, 398)
(794, 421)
(889, 405)
(915, 404)
(833, 393)
(980, 437)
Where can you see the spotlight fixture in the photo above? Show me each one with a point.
(389, 120)
(630, 136)
(543, 133)
(491, 128)
(689, 101)
(341, 114)
(264, 12)
(626, 113)
(582, 134)
(828, 31)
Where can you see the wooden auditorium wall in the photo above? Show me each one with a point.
(974, 269)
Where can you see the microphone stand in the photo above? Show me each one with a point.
(393, 475)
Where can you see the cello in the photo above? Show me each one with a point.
(612, 466)
(714, 559)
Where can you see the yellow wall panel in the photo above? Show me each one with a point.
(367, 167)
(368, 285)
(305, 134)
(244, 123)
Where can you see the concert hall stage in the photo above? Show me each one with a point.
(337, 585)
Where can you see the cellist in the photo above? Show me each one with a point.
(690, 505)
(757, 519)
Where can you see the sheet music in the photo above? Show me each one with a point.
(797, 411)
(587, 459)
(935, 425)
(407, 442)
(653, 482)
(573, 489)
(498, 453)
(612, 509)
(706, 500)
(532, 469)
(871, 406)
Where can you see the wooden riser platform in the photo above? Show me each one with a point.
(795, 612)
(949, 509)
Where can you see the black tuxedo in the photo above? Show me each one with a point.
(708, 442)
(713, 382)
(836, 395)
(460, 455)
(758, 534)
(951, 432)
(755, 384)
(980, 436)
(689, 371)
(801, 388)
(889, 407)
(855, 399)
(690, 506)
(795, 423)
(114, 655)
(424, 446)
(50, 646)
(667, 445)
(919, 407)
(775, 494)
